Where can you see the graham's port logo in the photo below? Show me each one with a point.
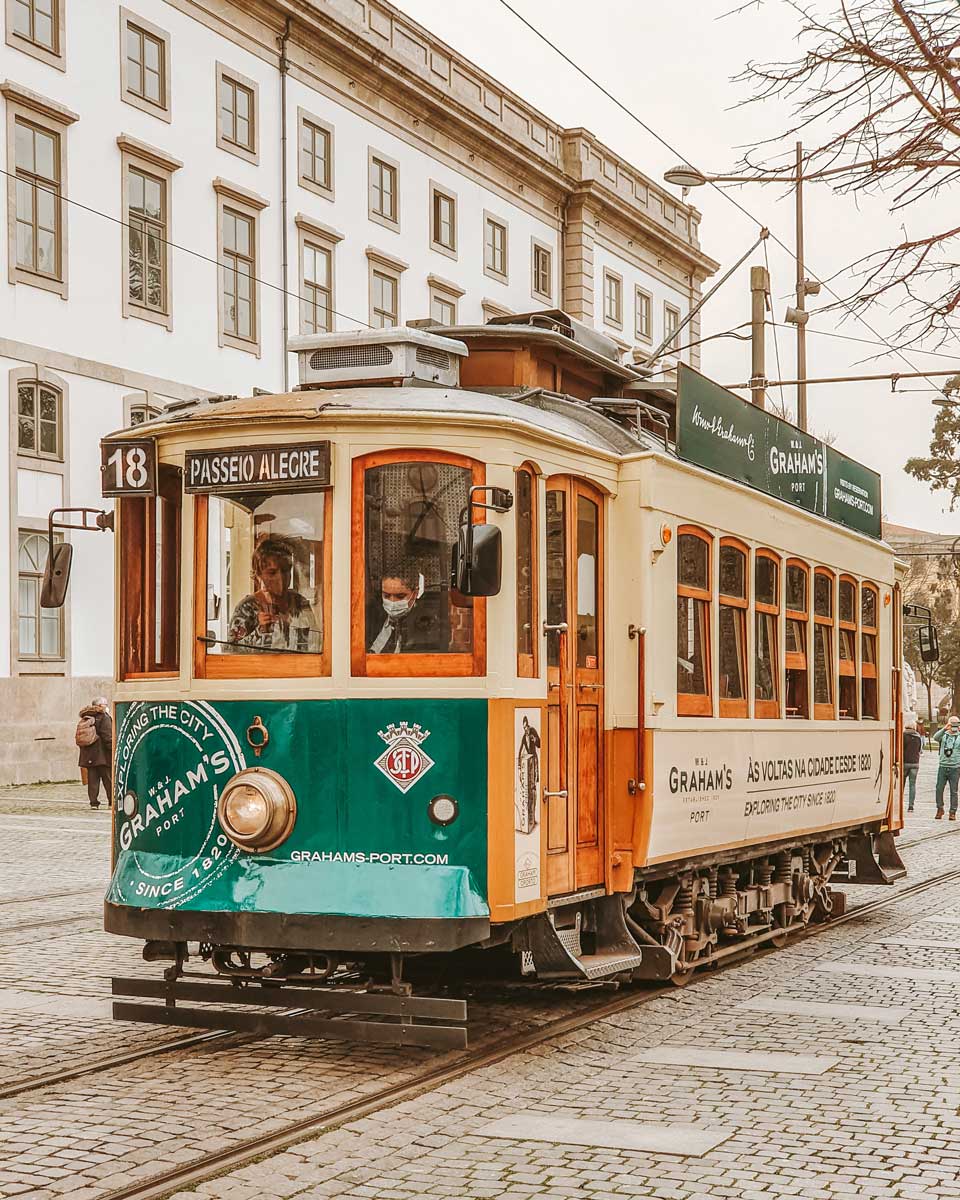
(404, 761)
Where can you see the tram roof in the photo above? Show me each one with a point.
(535, 408)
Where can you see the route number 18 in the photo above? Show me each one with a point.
(128, 468)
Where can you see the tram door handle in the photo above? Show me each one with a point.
(560, 629)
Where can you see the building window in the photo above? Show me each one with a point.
(644, 325)
(443, 221)
(823, 668)
(612, 299)
(316, 155)
(766, 594)
(541, 266)
(384, 202)
(238, 275)
(527, 584)
(236, 114)
(144, 65)
(385, 300)
(444, 297)
(38, 199)
(494, 247)
(316, 291)
(671, 323)
(694, 583)
(36, 27)
(39, 420)
(869, 609)
(147, 240)
(847, 645)
(137, 410)
(150, 564)
(40, 629)
(797, 605)
(732, 640)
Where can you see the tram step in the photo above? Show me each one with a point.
(598, 966)
(557, 952)
(395, 1020)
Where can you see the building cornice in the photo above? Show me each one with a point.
(159, 158)
(18, 94)
(234, 191)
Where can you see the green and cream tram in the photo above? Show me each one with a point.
(451, 650)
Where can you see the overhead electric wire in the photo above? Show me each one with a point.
(673, 150)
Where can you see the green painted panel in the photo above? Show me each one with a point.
(361, 845)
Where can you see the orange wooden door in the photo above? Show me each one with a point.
(574, 775)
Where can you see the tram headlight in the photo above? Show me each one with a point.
(443, 809)
(257, 809)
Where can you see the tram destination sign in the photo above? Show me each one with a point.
(718, 430)
(257, 468)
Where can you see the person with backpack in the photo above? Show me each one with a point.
(912, 746)
(94, 737)
(948, 767)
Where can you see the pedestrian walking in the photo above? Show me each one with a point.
(948, 766)
(912, 746)
(94, 737)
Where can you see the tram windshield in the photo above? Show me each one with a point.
(411, 517)
(265, 573)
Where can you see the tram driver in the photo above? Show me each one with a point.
(405, 618)
(275, 616)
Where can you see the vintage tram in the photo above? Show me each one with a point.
(477, 645)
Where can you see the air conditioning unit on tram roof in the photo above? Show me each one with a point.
(378, 357)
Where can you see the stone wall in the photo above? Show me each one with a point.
(40, 717)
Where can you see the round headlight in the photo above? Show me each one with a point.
(129, 804)
(257, 809)
(443, 809)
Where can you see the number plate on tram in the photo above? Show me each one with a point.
(128, 468)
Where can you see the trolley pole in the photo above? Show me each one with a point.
(759, 288)
(801, 301)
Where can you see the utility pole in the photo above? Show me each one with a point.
(759, 288)
(801, 301)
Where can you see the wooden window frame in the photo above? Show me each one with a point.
(446, 291)
(380, 263)
(690, 704)
(825, 712)
(253, 665)
(642, 300)
(538, 246)
(250, 205)
(769, 709)
(613, 277)
(438, 191)
(39, 657)
(387, 220)
(251, 151)
(503, 276)
(405, 666)
(23, 451)
(137, 156)
(138, 591)
(55, 57)
(869, 670)
(733, 707)
(528, 665)
(792, 659)
(667, 309)
(324, 188)
(847, 668)
(320, 237)
(127, 95)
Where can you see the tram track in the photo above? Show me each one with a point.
(211, 1165)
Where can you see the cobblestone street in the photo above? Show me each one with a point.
(677, 1097)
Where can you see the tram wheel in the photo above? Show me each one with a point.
(681, 978)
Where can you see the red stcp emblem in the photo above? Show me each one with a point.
(404, 761)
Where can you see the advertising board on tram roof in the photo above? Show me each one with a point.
(718, 430)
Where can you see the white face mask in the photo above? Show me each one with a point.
(395, 609)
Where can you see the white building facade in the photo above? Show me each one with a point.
(190, 182)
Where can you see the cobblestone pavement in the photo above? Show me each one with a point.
(880, 1121)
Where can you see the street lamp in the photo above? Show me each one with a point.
(685, 176)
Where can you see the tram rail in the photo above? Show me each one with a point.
(199, 1170)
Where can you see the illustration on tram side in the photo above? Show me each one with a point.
(460, 661)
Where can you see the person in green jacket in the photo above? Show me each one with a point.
(948, 766)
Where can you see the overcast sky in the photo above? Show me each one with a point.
(672, 64)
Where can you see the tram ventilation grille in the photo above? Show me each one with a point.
(433, 358)
(341, 358)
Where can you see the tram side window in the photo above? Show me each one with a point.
(869, 608)
(847, 643)
(150, 579)
(823, 669)
(732, 648)
(556, 569)
(411, 517)
(526, 518)
(694, 553)
(766, 687)
(796, 604)
(265, 574)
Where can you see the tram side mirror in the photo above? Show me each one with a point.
(929, 643)
(56, 576)
(477, 559)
